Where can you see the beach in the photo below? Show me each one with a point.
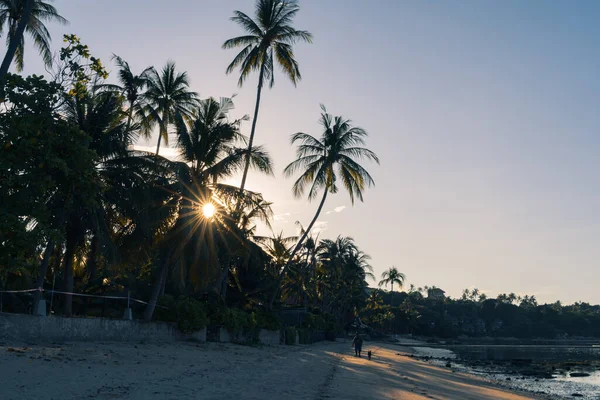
(188, 370)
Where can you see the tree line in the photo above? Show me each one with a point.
(428, 311)
(83, 210)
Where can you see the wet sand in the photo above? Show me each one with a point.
(220, 371)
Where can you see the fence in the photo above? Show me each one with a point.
(21, 302)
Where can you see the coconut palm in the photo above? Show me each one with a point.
(208, 150)
(269, 39)
(20, 16)
(130, 86)
(345, 269)
(335, 155)
(99, 116)
(390, 277)
(278, 247)
(167, 95)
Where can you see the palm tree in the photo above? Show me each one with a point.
(269, 37)
(167, 95)
(345, 268)
(20, 16)
(277, 247)
(99, 116)
(390, 277)
(130, 86)
(336, 154)
(208, 152)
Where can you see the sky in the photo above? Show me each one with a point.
(485, 116)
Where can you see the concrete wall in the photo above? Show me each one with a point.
(21, 327)
(270, 338)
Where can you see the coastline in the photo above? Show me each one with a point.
(216, 371)
(556, 379)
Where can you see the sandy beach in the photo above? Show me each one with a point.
(220, 371)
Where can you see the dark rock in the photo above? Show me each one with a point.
(508, 379)
(578, 374)
(577, 395)
(448, 365)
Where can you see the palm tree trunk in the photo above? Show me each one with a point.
(298, 245)
(163, 130)
(43, 271)
(128, 126)
(92, 265)
(158, 143)
(91, 261)
(16, 39)
(251, 140)
(68, 279)
(392, 296)
(162, 279)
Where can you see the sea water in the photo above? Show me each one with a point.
(495, 363)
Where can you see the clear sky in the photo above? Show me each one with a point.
(486, 117)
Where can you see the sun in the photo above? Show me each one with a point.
(208, 210)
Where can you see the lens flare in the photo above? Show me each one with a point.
(208, 210)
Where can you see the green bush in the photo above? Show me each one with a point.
(236, 321)
(191, 316)
(267, 320)
(233, 319)
(166, 309)
(217, 313)
(319, 322)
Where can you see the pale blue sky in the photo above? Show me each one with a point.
(485, 116)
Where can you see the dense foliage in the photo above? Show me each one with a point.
(83, 212)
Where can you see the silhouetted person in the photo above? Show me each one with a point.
(357, 343)
(369, 355)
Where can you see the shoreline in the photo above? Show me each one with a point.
(215, 371)
(541, 377)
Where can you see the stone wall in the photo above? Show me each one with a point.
(26, 328)
(266, 337)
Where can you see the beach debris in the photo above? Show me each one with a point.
(16, 350)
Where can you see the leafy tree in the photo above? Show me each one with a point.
(42, 158)
(268, 40)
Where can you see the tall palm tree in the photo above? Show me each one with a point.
(390, 277)
(269, 38)
(99, 116)
(130, 86)
(335, 154)
(20, 16)
(167, 95)
(208, 151)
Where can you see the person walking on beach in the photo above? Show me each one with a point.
(357, 343)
